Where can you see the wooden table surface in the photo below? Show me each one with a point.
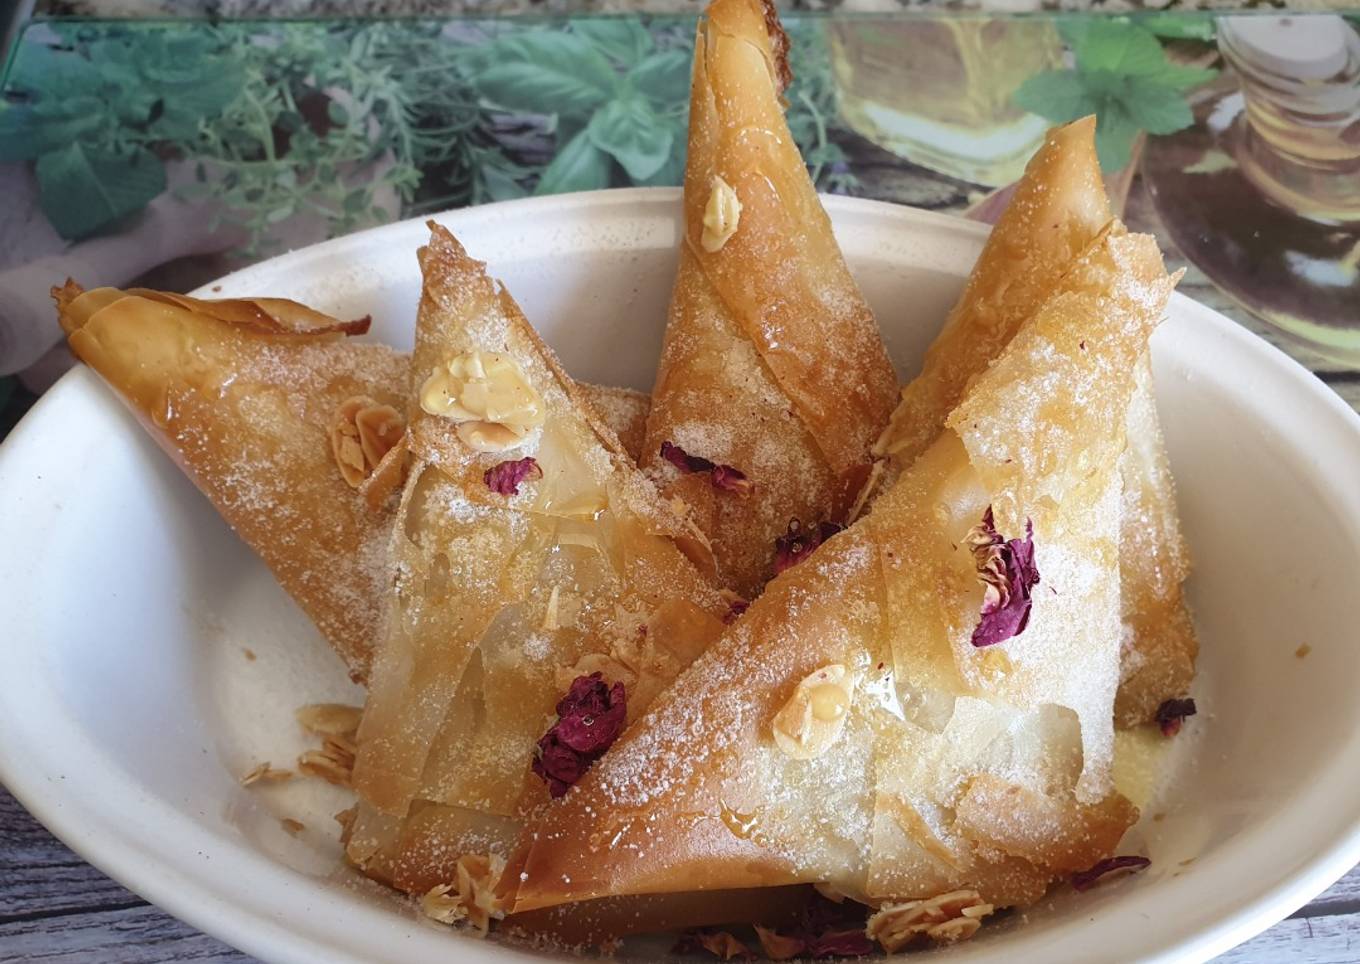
(55, 908)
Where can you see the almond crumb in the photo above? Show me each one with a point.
(1303, 651)
(265, 773)
(334, 762)
(249, 654)
(329, 719)
(294, 827)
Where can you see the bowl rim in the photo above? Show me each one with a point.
(246, 917)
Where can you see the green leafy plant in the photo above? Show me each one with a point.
(92, 115)
(1121, 75)
(329, 119)
(617, 100)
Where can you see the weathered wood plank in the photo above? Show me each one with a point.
(134, 935)
(40, 875)
(1310, 940)
(1342, 898)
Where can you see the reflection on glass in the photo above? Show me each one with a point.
(1299, 138)
(939, 93)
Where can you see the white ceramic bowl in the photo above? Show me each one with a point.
(128, 707)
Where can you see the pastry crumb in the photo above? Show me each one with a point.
(294, 827)
(1303, 650)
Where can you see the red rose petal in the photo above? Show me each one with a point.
(734, 610)
(1172, 713)
(1007, 569)
(1086, 879)
(731, 480)
(723, 477)
(798, 543)
(590, 718)
(505, 477)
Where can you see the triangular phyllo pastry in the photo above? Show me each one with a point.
(1058, 208)
(924, 704)
(773, 381)
(289, 428)
(538, 574)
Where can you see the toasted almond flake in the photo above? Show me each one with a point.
(472, 897)
(334, 762)
(778, 947)
(550, 613)
(722, 215)
(329, 719)
(265, 773)
(953, 931)
(581, 539)
(294, 827)
(362, 431)
(814, 716)
(488, 396)
(945, 919)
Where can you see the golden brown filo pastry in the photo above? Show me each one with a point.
(529, 553)
(289, 428)
(283, 423)
(772, 365)
(848, 730)
(1058, 207)
(623, 411)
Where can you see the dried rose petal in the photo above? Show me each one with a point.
(845, 943)
(1086, 879)
(723, 477)
(734, 610)
(683, 461)
(826, 928)
(798, 543)
(505, 477)
(1008, 574)
(1172, 713)
(731, 480)
(590, 718)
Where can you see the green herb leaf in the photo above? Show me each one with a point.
(578, 166)
(1113, 45)
(545, 72)
(1123, 77)
(26, 132)
(1115, 134)
(83, 189)
(671, 173)
(1156, 108)
(663, 78)
(621, 39)
(1058, 95)
(1180, 26)
(56, 73)
(632, 133)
